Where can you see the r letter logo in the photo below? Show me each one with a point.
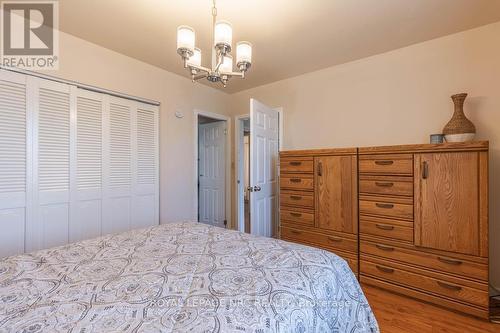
(30, 36)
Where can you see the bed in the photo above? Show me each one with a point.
(181, 277)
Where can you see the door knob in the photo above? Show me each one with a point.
(255, 188)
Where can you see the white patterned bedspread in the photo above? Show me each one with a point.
(183, 277)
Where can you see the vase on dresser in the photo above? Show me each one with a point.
(459, 128)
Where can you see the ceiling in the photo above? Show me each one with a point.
(289, 37)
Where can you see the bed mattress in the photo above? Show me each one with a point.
(181, 277)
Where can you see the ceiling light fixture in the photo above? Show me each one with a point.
(222, 61)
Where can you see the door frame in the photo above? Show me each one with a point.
(240, 222)
(227, 180)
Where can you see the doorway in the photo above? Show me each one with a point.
(212, 149)
(258, 138)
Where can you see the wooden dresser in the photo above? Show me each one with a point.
(423, 216)
(319, 200)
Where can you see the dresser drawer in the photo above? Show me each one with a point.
(322, 240)
(444, 264)
(394, 164)
(297, 198)
(297, 216)
(460, 290)
(389, 207)
(297, 164)
(393, 229)
(353, 263)
(351, 258)
(386, 185)
(297, 182)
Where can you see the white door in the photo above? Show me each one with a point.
(212, 173)
(86, 198)
(53, 103)
(15, 162)
(264, 136)
(117, 151)
(145, 208)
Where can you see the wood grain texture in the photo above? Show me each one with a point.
(395, 242)
(447, 203)
(297, 199)
(320, 239)
(446, 264)
(439, 265)
(318, 152)
(350, 257)
(297, 216)
(391, 164)
(336, 193)
(296, 164)
(453, 289)
(391, 207)
(297, 182)
(386, 185)
(400, 314)
(483, 204)
(387, 228)
(422, 148)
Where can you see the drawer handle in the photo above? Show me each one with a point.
(385, 269)
(384, 247)
(425, 170)
(449, 286)
(384, 226)
(295, 163)
(295, 197)
(382, 205)
(296, 214)
(295, 180)
(383, 184)
(335, 239)
(295, 232)
(384, 162)
(450, 261)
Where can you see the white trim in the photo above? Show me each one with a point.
(228, 194)
(239, 223)
(80, 85)
(237, 128)
(281, 126)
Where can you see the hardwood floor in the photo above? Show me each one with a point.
(399, 314)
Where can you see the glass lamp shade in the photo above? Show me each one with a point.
(185, 38)
(195, 59)
(227, 65)
(223, 33)
(243, 52)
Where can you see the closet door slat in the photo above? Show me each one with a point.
(89, 143)
(120, 146)
(13, 163)
(53, 140)
(74, 164)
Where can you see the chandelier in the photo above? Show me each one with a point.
(222, 61)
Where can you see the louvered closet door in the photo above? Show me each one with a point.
(117, 200)
(14, 154)
(50, 224)
(87, 183)
(145, 210)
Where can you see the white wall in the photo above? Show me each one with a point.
(91, 64)
(397, 98)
